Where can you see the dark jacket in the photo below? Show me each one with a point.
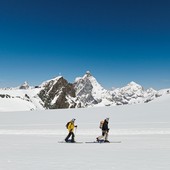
(105, 126)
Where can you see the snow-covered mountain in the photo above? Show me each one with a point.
(90, 92)
(84, 92)
(133, 93)
(57, 93)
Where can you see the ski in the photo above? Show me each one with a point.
(70, 142)
(104, 142)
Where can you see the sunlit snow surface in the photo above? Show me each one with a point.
(29, 140)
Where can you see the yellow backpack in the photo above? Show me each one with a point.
(67, 125)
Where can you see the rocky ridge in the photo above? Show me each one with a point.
(58, 93)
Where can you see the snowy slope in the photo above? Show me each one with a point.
(29, 140)
(20, 99)
(52, 81)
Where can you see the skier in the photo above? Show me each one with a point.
(105, 131)
(70, 126)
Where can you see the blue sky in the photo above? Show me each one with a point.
(117, 41)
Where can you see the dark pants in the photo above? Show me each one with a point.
(68, 136)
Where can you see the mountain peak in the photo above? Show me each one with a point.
(88, 74)
(51, 80)
(57, 93)
(132, 83)
(25, 85)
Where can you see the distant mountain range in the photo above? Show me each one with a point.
(84, 92)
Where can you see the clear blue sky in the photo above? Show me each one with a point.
(117, 40)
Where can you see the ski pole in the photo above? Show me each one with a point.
(75, 129)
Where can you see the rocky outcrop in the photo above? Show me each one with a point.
(58, 93)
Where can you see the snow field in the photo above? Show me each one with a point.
(29, 140)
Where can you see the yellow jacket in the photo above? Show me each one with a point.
(71, 127)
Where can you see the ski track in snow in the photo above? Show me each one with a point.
(89, 132)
